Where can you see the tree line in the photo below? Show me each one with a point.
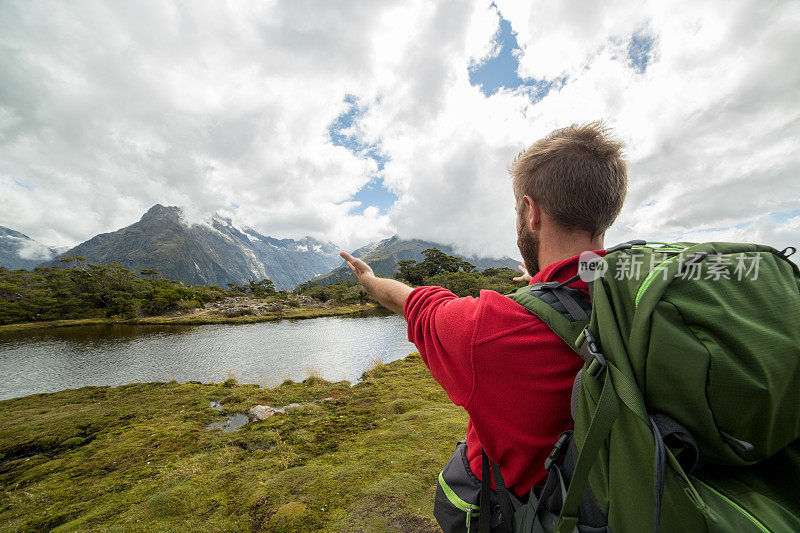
(78, 289)
(436, 268)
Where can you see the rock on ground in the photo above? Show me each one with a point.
(260, 412)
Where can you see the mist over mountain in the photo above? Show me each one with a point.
(384, 255)
(214, 251)
(17, 250)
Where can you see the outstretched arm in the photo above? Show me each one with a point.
(390, 293)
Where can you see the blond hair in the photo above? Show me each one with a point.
(577, 175)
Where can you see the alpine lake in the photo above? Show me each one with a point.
(265, 353)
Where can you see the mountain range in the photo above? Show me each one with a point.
(213, 252)
(217, 252)
(383, 257)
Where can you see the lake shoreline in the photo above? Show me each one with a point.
(338, 345)
(138, 457)
(201, 318)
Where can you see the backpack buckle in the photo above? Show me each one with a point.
(592, 356)
(626, 245)
(559, 449)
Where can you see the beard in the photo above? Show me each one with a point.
(528, 244)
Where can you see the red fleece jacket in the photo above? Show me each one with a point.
(508, 370)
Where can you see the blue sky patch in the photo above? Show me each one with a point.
(23, 185)
(782, 217)
(502, 70)
(374, 193)
(740, 225)
(342, 133)
(640, 51)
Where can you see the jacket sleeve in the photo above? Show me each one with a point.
(442, 326)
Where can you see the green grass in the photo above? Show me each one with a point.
(136, 457)
(200, 317)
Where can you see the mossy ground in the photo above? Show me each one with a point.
(194, 318)
(137, 457)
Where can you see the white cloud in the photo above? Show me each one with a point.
(106, 109)
(711, 127)
(30, 249)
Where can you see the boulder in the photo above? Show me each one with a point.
(260, 412)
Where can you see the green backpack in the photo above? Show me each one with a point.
(687, 409)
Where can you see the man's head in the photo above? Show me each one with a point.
(569, 186)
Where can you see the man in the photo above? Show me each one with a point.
(508, 370)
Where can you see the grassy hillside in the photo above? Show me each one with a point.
(138, 458)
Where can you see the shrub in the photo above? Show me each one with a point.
(185, 305)
(51, 293)
(241, 311)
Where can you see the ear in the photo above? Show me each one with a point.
(532, 213)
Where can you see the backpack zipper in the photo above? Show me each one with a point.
(649, 279)
(470, 509)
(668, 249)
(736, 506)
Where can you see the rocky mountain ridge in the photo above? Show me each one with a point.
(214, 251)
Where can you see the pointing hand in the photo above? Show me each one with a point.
(359, 267)
(525, 276)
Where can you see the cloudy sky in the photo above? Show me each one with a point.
(351, 121)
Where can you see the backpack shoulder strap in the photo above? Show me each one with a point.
(565, 310)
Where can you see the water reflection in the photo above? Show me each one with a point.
(336, 347)
(230, 423)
